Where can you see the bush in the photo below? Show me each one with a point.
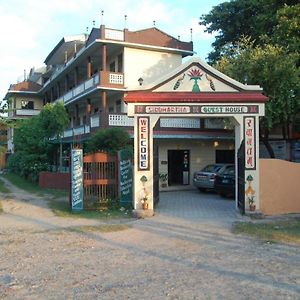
(109, 140)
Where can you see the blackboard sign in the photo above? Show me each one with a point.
(125, 171)
(77, 179)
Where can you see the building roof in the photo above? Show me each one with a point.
(66, 44)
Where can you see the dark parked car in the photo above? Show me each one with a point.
(205, 179)
(225, 182)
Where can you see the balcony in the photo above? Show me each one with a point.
(79, 130)
(120, 120)
(113, 34)
(111, 79)
(80, 89)
(27, 112)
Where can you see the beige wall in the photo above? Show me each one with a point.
(38, 103)
(201, 152)
(279, 187)
(149, 65)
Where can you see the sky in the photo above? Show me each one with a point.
(30, 29)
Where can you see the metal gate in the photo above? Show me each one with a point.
(100, 180)
(241, 177)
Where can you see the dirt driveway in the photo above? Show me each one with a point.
(46, 257)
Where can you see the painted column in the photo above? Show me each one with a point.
(143, 160)
(247, 129)
(103, 114)
(89, 67)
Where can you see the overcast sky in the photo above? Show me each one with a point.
(30, 29)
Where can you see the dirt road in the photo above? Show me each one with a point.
(47, 257)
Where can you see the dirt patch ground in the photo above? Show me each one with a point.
(46, 257)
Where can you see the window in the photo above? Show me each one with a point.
(25, 104)
(118, 106)
(112, 67)
(120, 63)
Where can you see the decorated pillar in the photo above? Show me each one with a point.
(247, 131)
(143, 161)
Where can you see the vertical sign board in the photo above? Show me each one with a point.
(250, 143)
(77, 179)
(125, 177)
(143, 144)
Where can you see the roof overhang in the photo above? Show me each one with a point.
(190, 97)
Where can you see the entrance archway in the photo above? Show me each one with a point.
(245, 104)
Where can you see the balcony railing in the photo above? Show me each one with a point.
(114, 34)
(120, 120)
(27, 112)
(95, 120)
(111, 79)
(82, 129)
(90, 83)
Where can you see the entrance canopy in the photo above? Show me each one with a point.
(195, 89)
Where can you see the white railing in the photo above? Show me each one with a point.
(78, 89)
(87, 129)
(92, 82)
(113, 34)
(27, 112)
(179, 123)
(116, 78)
(78, 130)
(68, 132)
(120, 120)
(95, 121)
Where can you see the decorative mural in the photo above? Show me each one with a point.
(250, 193)
(197, 75)
(211, 83)
(178, 82)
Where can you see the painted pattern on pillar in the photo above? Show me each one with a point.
(250, 192)
(249, 135)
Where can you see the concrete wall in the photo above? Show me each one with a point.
(279, 187)
(149, 65)
(49, 180)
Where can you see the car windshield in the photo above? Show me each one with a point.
(212, 168)
(229, 171)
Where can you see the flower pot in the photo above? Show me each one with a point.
(145, 205)
(252, 207)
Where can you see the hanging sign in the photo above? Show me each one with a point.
(249, 136)
(77, 179)
(143, 143)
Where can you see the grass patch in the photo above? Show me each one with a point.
(33, 187)
(105, 228)
(3, 188)
(283, 231)
(62, 209)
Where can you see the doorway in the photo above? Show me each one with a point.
(178, 167)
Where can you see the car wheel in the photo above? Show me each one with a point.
(203, 190)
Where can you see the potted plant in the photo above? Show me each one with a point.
(164, 179)
(251, 203)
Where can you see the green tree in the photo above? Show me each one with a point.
(253, 18)
(33, 150)
(109, 140)
(272, 67)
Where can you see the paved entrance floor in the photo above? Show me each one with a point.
(197, 207)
